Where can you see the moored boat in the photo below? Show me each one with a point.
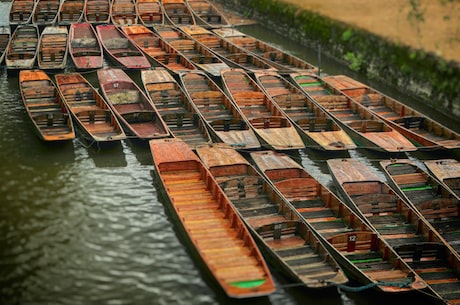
(150, 12)
(287, 240)
(174, 106)
(314, 124)
(264, 116)
(49, 115)
(5, 36)
(120, 49)
(71, 11)
(157, 49)
(209, 221)
(136, 113)
(53, 48)
(423, 131)
(283, 61)
(223, 119)
(45, 12)
(85, 49)
(447, 171)
(207, 14)
(365, 128)
(21, 12)
(123, 12)
(177, 12)
(97, 11)
(431, 198)
(362, 253)
(23, 48)
(230, 53)
(90, 111)
(201, 57)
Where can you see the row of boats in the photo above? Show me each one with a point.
(221, 112)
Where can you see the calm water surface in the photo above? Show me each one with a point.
(79, 225)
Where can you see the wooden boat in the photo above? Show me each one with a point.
(409, 233)
(177, 12)
(85, 49)
(283, 61)
(362, 253)
(317, 128)
(22, 48)
(123, 12)
(207, 14)
(150, 12)
(89, 109)
(210, 223)
(53, 48)
(45, 12)
(21, 12)
(120, 49)
(133, 108)
(97, 11)
(447, 171)
(364, 127)
(5, 36)
(155, 48)
(222, 118)
(201, 57)
(175, 107)
(71, 11)
(49, 115)
(430, 197)
(423, 131)
(264, 116)
(231, 54)
(281, 234)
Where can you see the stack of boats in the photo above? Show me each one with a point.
(223, 112)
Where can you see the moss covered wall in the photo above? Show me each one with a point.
(433, 80)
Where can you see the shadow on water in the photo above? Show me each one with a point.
(108, 155)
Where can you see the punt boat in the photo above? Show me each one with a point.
(150, 12)
(45, 12)
(71, 11)
(208, 222)
(85, 49)
(123, 12)
(447, 171)
(23, 48)
(207, 14)
(97, 11)
(21, 12)
(53, 48)
(177, 12)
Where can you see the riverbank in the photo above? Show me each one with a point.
(434, 80)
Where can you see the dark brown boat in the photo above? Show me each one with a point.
(90, 111)
(157, 49)
(53, 48)
(422, 130)
(177, 12)
(201, 57)
(223, 119)
(287, 240)
(364, 127)
(21, 12)
(150, 12)
(133, 108)
(231, 54)
(23, 48)
(123, 12)
(97, 11)
(283, 61)
(85, 49)
(45, 12)
(363, 255)
(447, 171)
(71, 11)
(209, 222)
(430, 197)
(409, 233)
(264, 116)
(207, 14)
(44, 106)
(318, 130)
(174, 106)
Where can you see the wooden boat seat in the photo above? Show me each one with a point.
(439, 208)
(354, 241)
(39, 92)
(362, 187)
(269, 122)
(94, 116)
(278, 229)
(297, 189)
(51, 119)
(228, 123)
(410, 180)
(417, 252)
(376, 203)
(333, 101)
(369, 100)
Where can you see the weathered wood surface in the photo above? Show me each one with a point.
(90, 111)
(71, 11)
(287, 239)
(123, 12)
(446, 171)
(21, 11)
(53, 48)
(421, 129)
(207, 14)
(150, 12)
(49, 116)
(45, 12)
(23, 48)
(210, 222)
(177, 12)
(85, 49)
(97, 11)
(5, 35)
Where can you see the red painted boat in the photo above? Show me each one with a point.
(85, 49)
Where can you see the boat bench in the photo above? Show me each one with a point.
(410, 180)
(228, 123)
(418, 251)
(268, 122)
(278, 229)
(439, 208)
(38, 93)
(94, 116)
(78, 94)
(51, 119)
(297, 189)
(369, 100)
(376, 203)
(354, 241)
(248, 43)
